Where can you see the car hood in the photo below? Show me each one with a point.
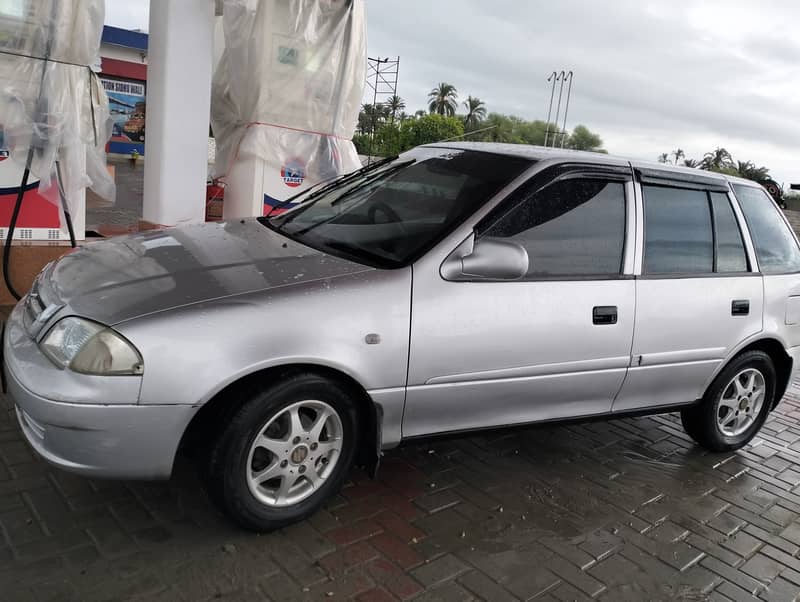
(129, 276)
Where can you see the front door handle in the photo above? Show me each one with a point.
(740, 307)
(604, 314)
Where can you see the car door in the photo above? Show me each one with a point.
(697, 294)
(554, 343)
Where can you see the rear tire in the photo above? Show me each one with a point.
(284, 452)
(736, 404)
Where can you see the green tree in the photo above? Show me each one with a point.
(678, 154)
(367, 118)
(395, 105)
(717, 160)
(443, 99)
(502, 129)
(476, 111)
(690, 163)
(428, 129)
(663, 158)
(383, 111)
(748, 170)
(583, 139)
(535, 132)
(387, 141)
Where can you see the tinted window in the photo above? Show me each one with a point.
(573, 227)
(678, 237)
(776, 248)
(731, 255)
(391, 215)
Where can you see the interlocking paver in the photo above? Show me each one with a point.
(781, 590)
(604, 511)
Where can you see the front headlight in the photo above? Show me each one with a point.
(90, 348)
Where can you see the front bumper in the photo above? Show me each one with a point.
(113, 439)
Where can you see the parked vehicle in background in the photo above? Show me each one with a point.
(456, 287)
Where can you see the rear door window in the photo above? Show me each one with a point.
(776, 247)
(678, 233)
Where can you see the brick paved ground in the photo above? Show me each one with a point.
(623, 510)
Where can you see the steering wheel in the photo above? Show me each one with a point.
(390, 213)
(393, 218)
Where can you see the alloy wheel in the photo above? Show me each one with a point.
(741, 402)
(294, 452)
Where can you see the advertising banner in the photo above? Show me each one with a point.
(126, 100)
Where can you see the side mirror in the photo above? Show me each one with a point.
(489, 258)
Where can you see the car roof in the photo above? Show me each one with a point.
(541, 153)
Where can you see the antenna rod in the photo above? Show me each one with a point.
(562, 76)
(566, 108)
(553, 76)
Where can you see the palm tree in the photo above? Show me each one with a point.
(678, 154)
(395, 104)
(366, 118)
(663, 158)
(383, 110)
(690, 163)
(476, 111)
(748, 170)
(717, 159)
(443, 99)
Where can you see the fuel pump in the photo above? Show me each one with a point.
(55, 115)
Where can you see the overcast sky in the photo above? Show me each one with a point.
(650, 75)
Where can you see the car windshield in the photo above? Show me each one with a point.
(390, 216)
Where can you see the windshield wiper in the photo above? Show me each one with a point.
(344, 195)
(382, 174)
(338, 180)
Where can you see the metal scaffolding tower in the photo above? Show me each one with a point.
(382, 80)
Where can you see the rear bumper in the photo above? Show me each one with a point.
(794, 353)
(112, 441)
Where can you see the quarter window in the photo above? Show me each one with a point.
(573, 227)
(678, 232)
(731, 256)
(776, 248)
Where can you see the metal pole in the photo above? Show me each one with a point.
(396, 77)
(566, 109)
(553, 76)
(562, 76)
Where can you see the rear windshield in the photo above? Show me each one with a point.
(776, 247)
(391, 216)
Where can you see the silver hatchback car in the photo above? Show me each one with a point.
(456, 287)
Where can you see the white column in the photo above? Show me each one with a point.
(179, 56)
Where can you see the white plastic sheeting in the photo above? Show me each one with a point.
(57, 106)
(288, 87)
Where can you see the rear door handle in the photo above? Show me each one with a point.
(604, 314)
(740, 307)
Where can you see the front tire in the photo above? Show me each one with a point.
(736, 404)
(284, 452)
